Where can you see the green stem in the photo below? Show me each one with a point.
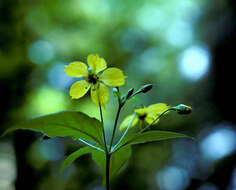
(85, 142)
(119, 147)
(108, 157)
(103, 130)
(124, 134)
(115, 125)
(141, 124)
(158, 117)
(101, 116)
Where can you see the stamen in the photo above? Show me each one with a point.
(142, 117)
(92, 79)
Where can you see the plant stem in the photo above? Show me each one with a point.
(158, 117)
(86, 143)
(123, 136)
(101, 116)
(108, 157)
(103, 130)
(141, 124)
(115, 125)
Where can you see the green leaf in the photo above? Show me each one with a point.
(75, 124)
(72, 157)
(118, 159)
(150, 136)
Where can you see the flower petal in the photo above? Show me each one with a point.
(76, 69)
(126, 122)
(96, 63)
(141, 111)
(79, 89)
(113, 77)
(156, 109)
(149, 120)
(100, 93)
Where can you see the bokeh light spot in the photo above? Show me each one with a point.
(57, 77)
(52, 149)
(194, 62)
(218, 144)
(7, 166)
(172, 178)
(45, 100)
(152, 60)
(180, 33)
(185, 155)
(208, 186)
(40, 52)
(151, 18)
(232, 185)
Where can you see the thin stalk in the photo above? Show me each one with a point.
(101, 116)
(158, 117)
(124, 134)
(141, 124)
(92, 146)
(103, 130)
(108, 157)
(117, 148)
(114, 127)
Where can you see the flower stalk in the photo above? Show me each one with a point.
(115, 126)
(103, 129)
(108, 158)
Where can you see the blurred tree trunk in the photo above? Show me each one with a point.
(14, 72)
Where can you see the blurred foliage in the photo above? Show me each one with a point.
(151, 41)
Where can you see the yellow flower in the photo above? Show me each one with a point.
(147, 114)
(94, 79)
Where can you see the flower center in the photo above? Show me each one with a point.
(143, 116)
(92, 79)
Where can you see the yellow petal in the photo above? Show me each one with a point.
(156, 109)
(126, 122)
(76, 69)
(100, 93)
(149, 120)
(141, 111)
(96, 63)
(113, 77)
(79, 89)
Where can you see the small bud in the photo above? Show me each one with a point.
(130, 93)
(145, 88)
(114, 90)
(89, 69)
(182, 109)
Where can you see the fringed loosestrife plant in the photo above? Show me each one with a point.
(112, 155)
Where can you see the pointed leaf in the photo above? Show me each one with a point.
(151, 136)
(72, 157)
(75, 124)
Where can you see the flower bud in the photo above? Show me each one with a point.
(130, 93)
(145, 88)
(90, 70)
(116, 92)
(182, 109)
